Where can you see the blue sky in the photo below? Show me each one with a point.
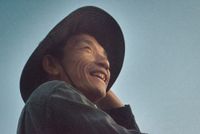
(160, 76)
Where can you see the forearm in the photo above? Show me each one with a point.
(124, 117)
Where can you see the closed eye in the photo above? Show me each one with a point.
(86, 49)
(85, 46)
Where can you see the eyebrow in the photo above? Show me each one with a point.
(90, 42)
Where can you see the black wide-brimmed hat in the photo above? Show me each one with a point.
(89, 20)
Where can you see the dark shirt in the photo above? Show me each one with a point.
(56, 107)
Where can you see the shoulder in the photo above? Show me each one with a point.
(57, 90)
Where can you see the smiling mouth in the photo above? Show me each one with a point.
(100, 75)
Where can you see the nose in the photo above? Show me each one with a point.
(102, 61)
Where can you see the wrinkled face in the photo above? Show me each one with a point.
(85, 66)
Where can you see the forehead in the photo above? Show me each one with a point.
(80, 40)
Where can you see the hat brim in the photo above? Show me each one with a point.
(90, 20)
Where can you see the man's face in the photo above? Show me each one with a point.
(85, 65)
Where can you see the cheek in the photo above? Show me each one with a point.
(78, 67)
(82, 78)
(81, 68)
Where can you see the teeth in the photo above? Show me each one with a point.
(100, 75)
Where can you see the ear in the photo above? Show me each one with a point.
(51, 65)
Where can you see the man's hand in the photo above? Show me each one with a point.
(110, 101)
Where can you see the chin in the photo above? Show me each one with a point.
(96, 95)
